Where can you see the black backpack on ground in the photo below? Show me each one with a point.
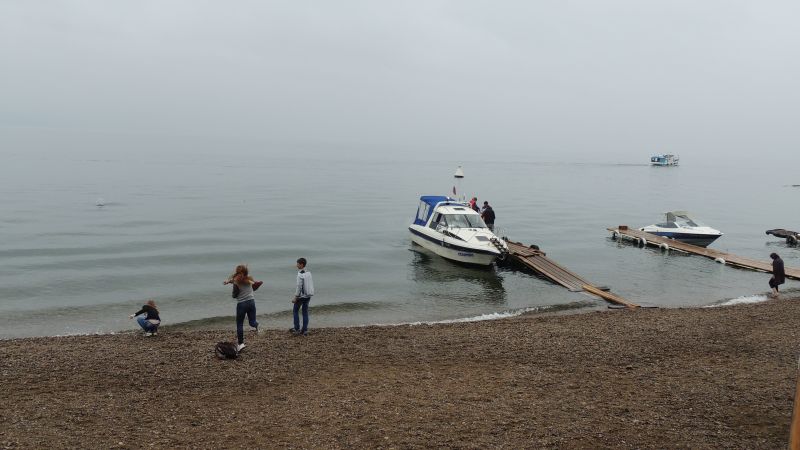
(226, 350)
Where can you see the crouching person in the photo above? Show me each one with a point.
(148, 318)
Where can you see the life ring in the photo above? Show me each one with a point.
(720, 260)
(642, 242)
(664, 246)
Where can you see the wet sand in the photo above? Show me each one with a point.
(650, 378)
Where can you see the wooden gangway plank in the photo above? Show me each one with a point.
(608, 296)
(538, 261)
(729, 258)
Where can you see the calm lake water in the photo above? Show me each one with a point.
(172, 228)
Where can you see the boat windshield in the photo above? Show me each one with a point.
(463, 221)
(685, 221)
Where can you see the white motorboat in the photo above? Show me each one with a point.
(664, 160)
(452, 230)
(681, 227)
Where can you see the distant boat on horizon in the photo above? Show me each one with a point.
(664, 160)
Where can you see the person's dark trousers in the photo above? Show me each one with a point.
(301, 302)
(246, 308)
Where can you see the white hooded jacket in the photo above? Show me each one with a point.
(305, 285)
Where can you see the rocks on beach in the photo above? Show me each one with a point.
(702, 378)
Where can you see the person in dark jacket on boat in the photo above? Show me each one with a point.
(487, 214)
(778, 274)
(150, 320)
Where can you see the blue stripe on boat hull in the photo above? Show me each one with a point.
(693, 239)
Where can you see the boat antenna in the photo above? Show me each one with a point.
(459, 175)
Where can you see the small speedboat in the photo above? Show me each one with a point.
(452, 230)
(681, 227)
(664, 160)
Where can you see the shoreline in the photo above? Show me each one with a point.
(227, 322)
(647, 378)
(278, 320)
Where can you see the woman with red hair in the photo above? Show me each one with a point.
(243, 288)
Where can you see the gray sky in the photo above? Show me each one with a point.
(550, 78)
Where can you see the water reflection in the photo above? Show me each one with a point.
(438, 277)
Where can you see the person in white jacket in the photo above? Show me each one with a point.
(302, 295)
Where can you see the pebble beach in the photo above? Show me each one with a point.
(648, 378)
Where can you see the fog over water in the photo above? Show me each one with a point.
(258, 132)
(557, 79)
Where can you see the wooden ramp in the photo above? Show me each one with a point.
(537, 261)
(728, 258)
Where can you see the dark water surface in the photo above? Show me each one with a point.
(173, 228)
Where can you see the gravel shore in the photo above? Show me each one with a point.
(648, 378)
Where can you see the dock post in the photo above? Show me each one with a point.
(794, 430)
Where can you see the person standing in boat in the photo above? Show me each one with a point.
(302, 296)
(778, 274)
(150, 320)
(487, 214)
(474, 204)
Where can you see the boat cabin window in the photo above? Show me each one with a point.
(436, 219)
(463, 221)
(422, 212)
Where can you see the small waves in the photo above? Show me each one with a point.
(490, 316)
(349, 307)
(333, 309)
(504, 314)
(748, 299)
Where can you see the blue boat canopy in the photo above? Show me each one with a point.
(426, 205)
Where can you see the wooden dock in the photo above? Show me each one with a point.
(538, 261)
(642, 238)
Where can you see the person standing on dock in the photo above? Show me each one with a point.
(487, 214)
(302, 296)
(778, 274)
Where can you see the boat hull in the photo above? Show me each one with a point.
(459, 253)
(700, 240)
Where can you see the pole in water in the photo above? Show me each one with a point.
(459, 175)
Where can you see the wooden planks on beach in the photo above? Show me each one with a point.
(537, 261)
(729, 258)
(608, 296)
